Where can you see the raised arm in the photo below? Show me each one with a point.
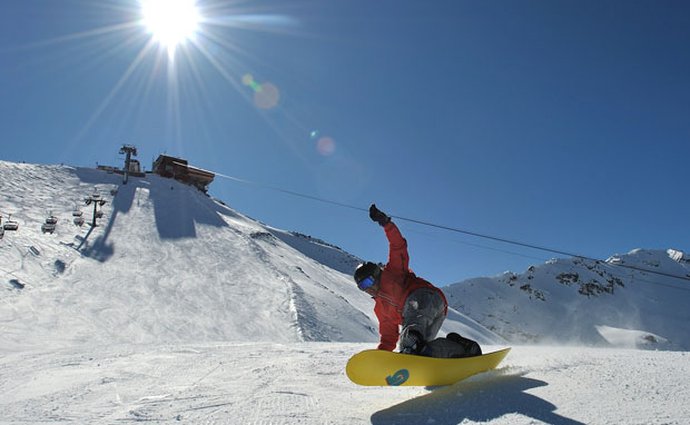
(398, 257)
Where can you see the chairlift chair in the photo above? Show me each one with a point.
(48, 227)
(77, 213)
(51, 220)
(79, 221)
(11, 225)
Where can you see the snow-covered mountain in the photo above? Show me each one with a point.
(613, 302)
(166, 263)
(178, 309)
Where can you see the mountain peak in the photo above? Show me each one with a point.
(576, 300)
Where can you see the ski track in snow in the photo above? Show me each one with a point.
(262, 383)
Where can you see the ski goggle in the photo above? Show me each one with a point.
(366, 283)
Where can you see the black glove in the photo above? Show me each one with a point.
(378, 216)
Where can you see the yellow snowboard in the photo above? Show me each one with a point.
(382, 368)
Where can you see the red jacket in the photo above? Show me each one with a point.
(397, 281)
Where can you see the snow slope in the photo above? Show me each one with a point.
(575, 301)
(166, 264)
(304, 383)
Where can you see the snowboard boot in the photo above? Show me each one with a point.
(411, 341)
(469, 348)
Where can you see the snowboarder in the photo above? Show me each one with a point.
(404, 300)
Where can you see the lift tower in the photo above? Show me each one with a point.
(96, 200)
(128, 150)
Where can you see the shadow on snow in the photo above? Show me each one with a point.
(177, 209)
(482, 400)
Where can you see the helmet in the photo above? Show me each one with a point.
(366, 270)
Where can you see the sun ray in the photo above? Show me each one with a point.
(220, 69)
(114, 91)
(169, 61)
(82, 35)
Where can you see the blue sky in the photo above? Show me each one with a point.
(557, 123)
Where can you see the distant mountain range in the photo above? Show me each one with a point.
(638, 299)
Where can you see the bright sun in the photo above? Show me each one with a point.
(170, 22)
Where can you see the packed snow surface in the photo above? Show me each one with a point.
(305, 383)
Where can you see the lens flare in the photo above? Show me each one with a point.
(325, 146)
(266, 95)
(248, 80)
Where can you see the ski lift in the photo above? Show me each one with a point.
(50, 224)
(48, 227)
(2, 232)
(10, 224)
(77, 212)
(17, 284)
(78, 221)
(99, 214)
(95, 199)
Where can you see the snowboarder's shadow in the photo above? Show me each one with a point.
(481, 400)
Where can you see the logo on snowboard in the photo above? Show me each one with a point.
(398, 378)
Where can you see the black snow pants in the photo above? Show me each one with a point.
(423, 315)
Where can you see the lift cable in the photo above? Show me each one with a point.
(457, 230)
